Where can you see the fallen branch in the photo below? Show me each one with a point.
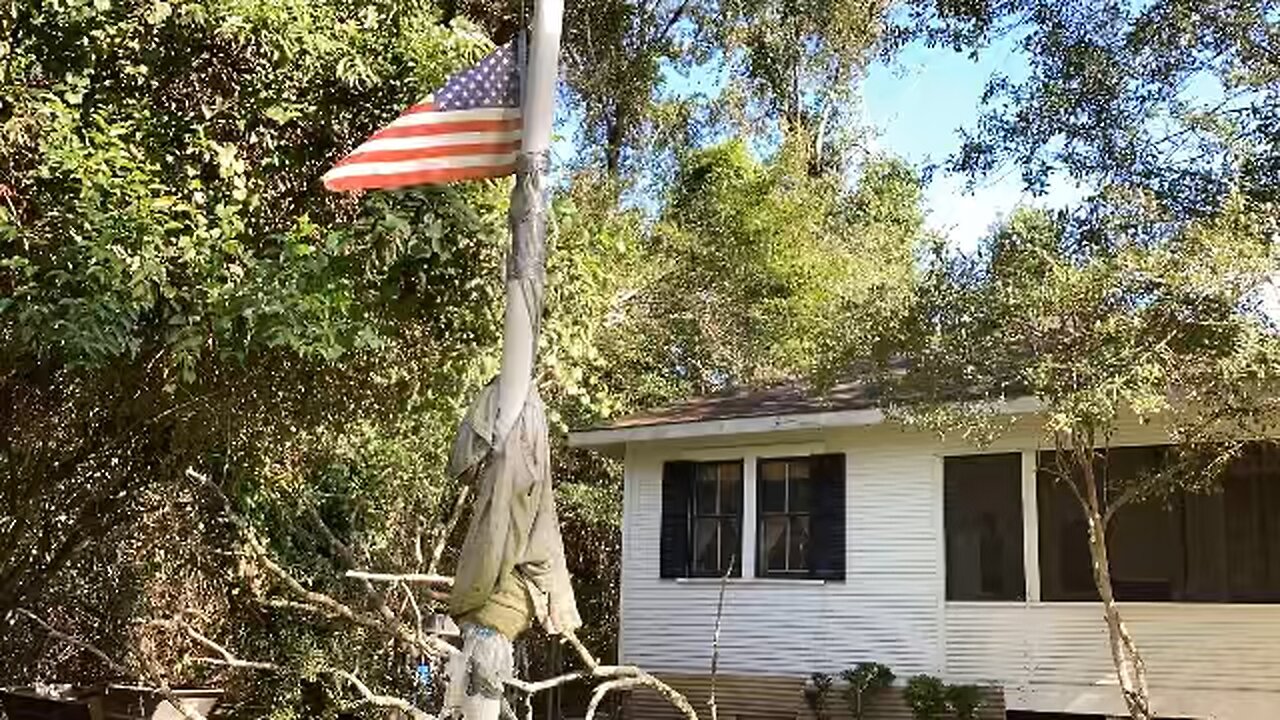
(412, 578)
(459, 508)
(75, 641)
(320, 602)
(162, 687)
(604, 688)
(384, 701)
(612, 675)
(229, 659)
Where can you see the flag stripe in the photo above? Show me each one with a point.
(420, 153)
(409, 119)
(429, 141)
(406, 166)
(420, 177)
(447, 127)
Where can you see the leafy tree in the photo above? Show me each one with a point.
(177, 290)
(1099, 332)
(1177, 96)
(756, 270)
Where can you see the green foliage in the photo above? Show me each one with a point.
(932, 699)
(815, 694)
(964, 701)
(177, 290)
(757, 271)
(862, 682)
(1106, 97)
(927, 697)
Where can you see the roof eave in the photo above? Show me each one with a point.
(609, 439)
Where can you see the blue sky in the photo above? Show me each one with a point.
(916, 106)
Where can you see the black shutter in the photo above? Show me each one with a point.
(677, 491)
(826, 531)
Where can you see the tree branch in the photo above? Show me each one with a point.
(75, 641)
(431, 645)
(422, 578)
(384, 701)
(604, 688)
(162, 687)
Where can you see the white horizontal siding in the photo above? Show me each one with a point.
(1222, 648)
(886, 609)
(1204, 660)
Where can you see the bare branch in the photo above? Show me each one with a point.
(227, 657)
(320, 602)
(604, 688)
(384, 701)
(75, 641)
(162, 687)
(455, 516)
(715, 641)
(418, 578)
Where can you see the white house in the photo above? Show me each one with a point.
(861, 540)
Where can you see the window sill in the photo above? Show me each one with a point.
(750, 581)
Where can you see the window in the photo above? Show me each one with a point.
(800, 508)
(982, 514)
(1221, 546)
(786, 497)
(701, 519)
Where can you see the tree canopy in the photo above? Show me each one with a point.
(178, 292)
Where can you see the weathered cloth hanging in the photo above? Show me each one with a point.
(512, 567)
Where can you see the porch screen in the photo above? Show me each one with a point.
(982, 513)
(1221, 546)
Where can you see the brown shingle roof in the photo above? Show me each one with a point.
(788, 399)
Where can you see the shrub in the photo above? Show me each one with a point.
(815, 694)
(864, 680)
(964, 701)
(927, 696)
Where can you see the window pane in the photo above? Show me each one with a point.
(1066, 572)
(729, 545)
(798, 469)
(773, 470)
(706, 556)
(1144, 540)
(773, 496)
(982, 512)
(707, 486)
(1142, 548)
(799, 550)
(731, 494)
(775, 543)
(731, 472)
(800, 495)
(1217, 547)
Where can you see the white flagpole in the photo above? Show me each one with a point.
(520, 322)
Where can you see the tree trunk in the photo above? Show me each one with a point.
(1130, 669)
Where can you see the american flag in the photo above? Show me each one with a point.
(470, 129)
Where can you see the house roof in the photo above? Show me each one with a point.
(786, 399)
(788, 406)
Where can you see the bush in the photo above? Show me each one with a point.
(864, 680)
(927, 696)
